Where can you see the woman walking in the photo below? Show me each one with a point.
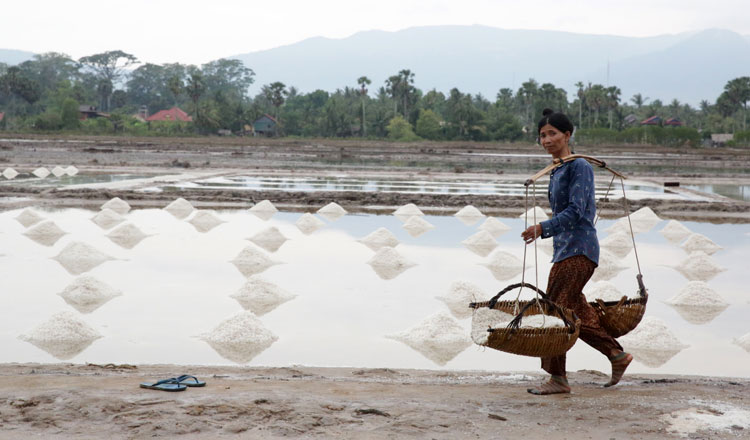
(576, 250)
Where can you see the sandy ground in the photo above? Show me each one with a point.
(95, 402)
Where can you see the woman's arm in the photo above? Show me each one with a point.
(581, 187)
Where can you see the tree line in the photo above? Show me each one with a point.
(43, 94)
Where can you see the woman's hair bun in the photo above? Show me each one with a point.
(547, 112)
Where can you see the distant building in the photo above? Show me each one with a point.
(631, 119)
(673, 122)
(90, 112)
(653, 120)
(721, 139)
(265, 126)
(2, 116)
(174, 114)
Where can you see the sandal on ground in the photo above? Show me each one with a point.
(620, 363)
(555, 385)
(190, 381)
(170, 384)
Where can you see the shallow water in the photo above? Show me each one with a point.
(177, 283)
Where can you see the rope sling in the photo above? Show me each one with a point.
(616, 317)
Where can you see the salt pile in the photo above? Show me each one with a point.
(417, 226)
(264, 210)
(379, 238)
(460, 294)
(71, 171)
(332, 211)
(107, 218)
(439, 338)
(58, 171)
(644, 219)
(699, 266)
(722, 421)
(621, 226)
(619, 243)
(204, 221)
(405, 212)
(541, 321)
(697, 303)
(240, 338)
(605, 291)
(699, 242)
(481, 243)
(504, 266)
(469, 215)
(545, 244)
(78, 257)
(269, 239)
(117, 205)
(41, 172)
(609, 266)
(251, 261)
(652, 343)
(308, 223)
(675, 231)
(46, 233)
(63, 336)
(87, 294)
(28, 217)
(494, 227)
(260, 296)
(388, 263)
(485, 318)
(10, 173)
(180, 208)
(535, 211)
(127, 235)
(744, 342)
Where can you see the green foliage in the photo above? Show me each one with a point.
(48, 121)
(400, 130)
(428, 125)
(69, 114)
(742, 138)
(669, 136)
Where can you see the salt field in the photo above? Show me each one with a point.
(176, 290)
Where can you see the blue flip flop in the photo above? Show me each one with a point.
(190, 381)
(170, 384)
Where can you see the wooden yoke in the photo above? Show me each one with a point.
(558, 162)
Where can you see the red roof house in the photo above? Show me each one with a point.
(674, 122)
(653, 120)
(173, 114)
(2, 115)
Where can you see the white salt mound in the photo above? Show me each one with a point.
(621, 226)
(619, 243)
(251, 261)
(744, 342)
(699, 242)
(29, 217)
(485, 318)
(417, 226)
(699, 266)
(439, 338)
(260, 296)
(127, 235)
(380, 238)
(240, 338)
(408, 210)
(605, 291)
(388, 263)
(87, 294)
(652, 343)
(269, 239)
(332, 211)
(697, 303)
(71, 171)
(204, 221)
(10, 173)
(41, 172)
(675, 231)
(545, 244)
(609, 266)
(46, 233)
(58, 171)
(63, 336)
(117, 205)
(460, 294)
(469, 211)
(539, 212)
(264, 210)
(505, 266)
(481, 243)
(494, 227)
(180, 208)
(308, 223)
(107, 218)
(78, 257)
(644, 219)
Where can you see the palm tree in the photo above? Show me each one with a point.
(406, 89)
(613, 100)
(581, 95)
(363, 82)
(276, 93)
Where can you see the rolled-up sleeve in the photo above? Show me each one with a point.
(580, 186)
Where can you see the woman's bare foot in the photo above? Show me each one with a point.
(555, 385)
(620, 363)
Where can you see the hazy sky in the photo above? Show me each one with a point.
(197, 31)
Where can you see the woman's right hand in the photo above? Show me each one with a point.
(531, 233)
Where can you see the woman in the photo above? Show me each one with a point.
(576, 250)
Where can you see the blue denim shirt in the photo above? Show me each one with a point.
(571, 197)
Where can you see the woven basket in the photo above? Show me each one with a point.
(537, 342)
(620, 317)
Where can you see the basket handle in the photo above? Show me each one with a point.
(641, 286)
(491, 303)
(516, 322)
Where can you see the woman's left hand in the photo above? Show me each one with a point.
(531, 233)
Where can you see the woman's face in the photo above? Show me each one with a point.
(554, 141)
